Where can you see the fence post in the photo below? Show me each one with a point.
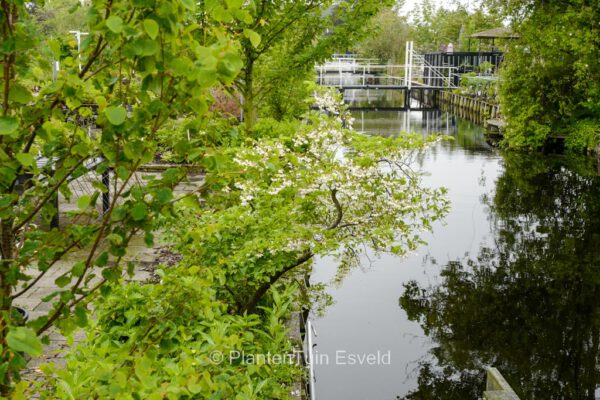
(55, 221)
(311, 362)
(106, 195)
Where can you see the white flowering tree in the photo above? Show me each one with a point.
(278, 202)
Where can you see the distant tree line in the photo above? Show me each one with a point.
(429, 27)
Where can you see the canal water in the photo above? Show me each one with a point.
(511, 279)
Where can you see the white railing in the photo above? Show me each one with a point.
(343, 68)
(417, 61)
(311, 361)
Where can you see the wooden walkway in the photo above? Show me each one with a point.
(143, 258)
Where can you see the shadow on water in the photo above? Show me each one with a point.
(529, 302)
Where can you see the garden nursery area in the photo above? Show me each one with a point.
(315, 199)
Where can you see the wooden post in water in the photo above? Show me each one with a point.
(497, 388)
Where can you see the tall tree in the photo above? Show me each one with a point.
(440, 26)
(140, 66)
(388, 40)
(297, 34)
(551, 79)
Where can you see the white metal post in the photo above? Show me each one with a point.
(55, 69)
(78, 35)
(406, 65)
(410, 65)
(311, 363)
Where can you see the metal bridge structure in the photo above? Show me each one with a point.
(357, 78)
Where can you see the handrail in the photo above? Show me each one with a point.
(311, 364)
(414, 70)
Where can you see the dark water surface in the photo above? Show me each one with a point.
(510, 279)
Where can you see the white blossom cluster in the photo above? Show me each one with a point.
(327, 102)
(331, 104)
(362, 187)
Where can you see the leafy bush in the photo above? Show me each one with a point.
(472, 84)
(187, 139)
(584, 136)
(551, 77)
(174, 340)
(306, 189)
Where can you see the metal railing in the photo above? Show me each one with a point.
(416, 71)
(311, 364)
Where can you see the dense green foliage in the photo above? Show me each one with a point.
(174, 340)
(56, 18)
(135, 72)
(429, 27)
(282, 200)
(551, 80)
(271, 204)
(388, 37)
(435, 26)
(274, 196)
(477, 85)
(282, 40)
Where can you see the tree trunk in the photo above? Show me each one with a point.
(7, 242)
(248, 92)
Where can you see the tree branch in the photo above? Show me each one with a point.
(339, 209)
(48, 196)
(250, 306)
(54, 261)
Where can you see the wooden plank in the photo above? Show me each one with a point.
(497, 388)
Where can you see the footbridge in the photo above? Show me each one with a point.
(416, 79)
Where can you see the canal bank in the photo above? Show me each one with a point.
(471, 108)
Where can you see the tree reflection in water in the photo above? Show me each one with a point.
(528, 305)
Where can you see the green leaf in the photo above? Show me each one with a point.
(206, 77)
(25, 340)
(26, 159)
(19, 94)
(234, 3)
(147, 47)
(115, 24)
(243, 16)
(54, 48)
(253, 37)
(80, 316)
(116, 115)
(102, 259)
(62, 281)
(84, 202)
(189, 4)
(149, 239)
(195, 388)
(8, 125)
(78, 269)
(151, 28)
(115, 239)
(139, 211)
(164, 195)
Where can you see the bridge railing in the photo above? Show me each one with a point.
(359, 81)
(417, 71)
